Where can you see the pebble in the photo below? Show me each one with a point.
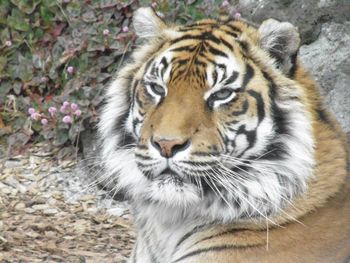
(50, 211)
(13, 164)
(6, 191)
(20, 206)
(29, 210)
(40, 207)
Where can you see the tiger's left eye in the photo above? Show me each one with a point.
(222, 94)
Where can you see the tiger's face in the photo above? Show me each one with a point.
(209, 126)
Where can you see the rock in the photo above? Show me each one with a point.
(13, 164)
(308, 16)
(50, 211)
(20, 206)
(40, 207)
(328, 58)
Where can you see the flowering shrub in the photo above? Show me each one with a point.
(57, 56)
(58, 126)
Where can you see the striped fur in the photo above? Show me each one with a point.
(238, 97)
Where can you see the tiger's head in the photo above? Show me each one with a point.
(206, 119)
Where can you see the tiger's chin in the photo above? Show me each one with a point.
(171, 190)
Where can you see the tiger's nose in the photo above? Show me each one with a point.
(168, 148)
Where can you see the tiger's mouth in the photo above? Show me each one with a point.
(169, 172)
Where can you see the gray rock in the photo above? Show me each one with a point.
(328, 58)
(308, 16)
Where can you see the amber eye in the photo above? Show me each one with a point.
(157, 89)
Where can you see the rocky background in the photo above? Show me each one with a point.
(324, 26)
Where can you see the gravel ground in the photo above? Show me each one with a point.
(51, 211)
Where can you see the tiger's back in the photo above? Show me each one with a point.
(224, 147)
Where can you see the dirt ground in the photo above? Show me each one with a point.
(38, 223)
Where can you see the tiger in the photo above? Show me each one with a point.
(224, 147)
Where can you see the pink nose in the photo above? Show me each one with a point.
(168, 148)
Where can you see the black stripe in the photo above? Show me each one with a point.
(198, 62)
(232, 34)
(276, 150)
(233, 28)
(189, 48)
(189, 234)
(215, 77)
(230, 231)
(165, 66)
(249, 74)
(154, 71)
(127, 139)
(250, 135)
(180, 61)
(217, 52)
(232, 78)
(227, 44)
(148, 64)
(244, 45)
(204, 36)
(293, 69)
(259, 104)
(323, 115)
(215, 249)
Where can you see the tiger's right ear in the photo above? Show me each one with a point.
(147, 23)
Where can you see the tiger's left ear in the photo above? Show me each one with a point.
(282, 41)
(147, 23)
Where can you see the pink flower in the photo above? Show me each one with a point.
(63, 109)
(67, 119)
(105, 32)
(70, 69)
(35, 116)
(225, 4)
(74, 106)
(125, 29)
(237, 15)
(52, 111)
(44, 79)
(8, 43)
(31, 111)
(44, 122)
(65, 104)
(77, 113)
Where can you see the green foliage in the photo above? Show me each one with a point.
(67, 50)
(40, 40)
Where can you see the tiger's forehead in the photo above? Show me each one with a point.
(188, 58)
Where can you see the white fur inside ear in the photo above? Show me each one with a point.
(279, 37)
(147, 24)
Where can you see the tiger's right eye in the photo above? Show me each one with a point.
(157, 89)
